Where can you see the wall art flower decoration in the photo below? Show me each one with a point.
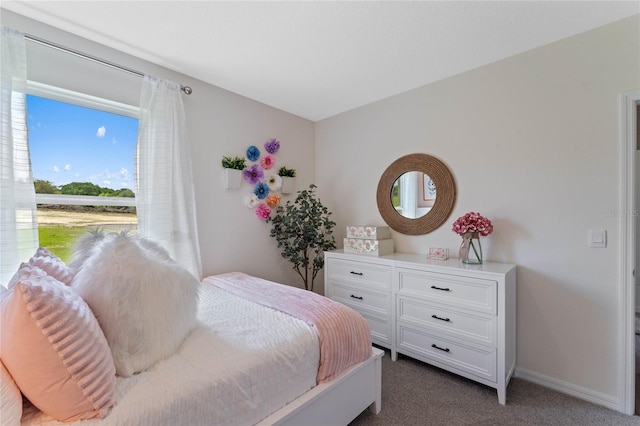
(253, 174)
(272, 146)
(268, 184)
(274, 182)
(263, 211)
(253, 153)
(251, 201)
(267, 162)
(273, 200)
(262, 190)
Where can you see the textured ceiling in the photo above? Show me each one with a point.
(317, 59)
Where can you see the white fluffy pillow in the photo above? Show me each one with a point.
(144, 301)
(83, 248)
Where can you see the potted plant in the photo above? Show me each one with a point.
(233, 167)
(288, 181)
(303, 229)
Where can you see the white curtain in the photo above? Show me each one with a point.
(18, 220)
(165, 197)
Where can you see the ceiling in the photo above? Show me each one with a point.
(318, 59)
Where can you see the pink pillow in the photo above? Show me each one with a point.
(54, 349)
(10, 399)
(49, 263)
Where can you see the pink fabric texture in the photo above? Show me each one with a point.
(343, 333)
(10, 399)
(49, 263)
(54, 349)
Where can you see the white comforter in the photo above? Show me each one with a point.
(243, 363)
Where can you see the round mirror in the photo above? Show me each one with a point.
(416, 194)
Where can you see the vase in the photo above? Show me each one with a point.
(471, 249)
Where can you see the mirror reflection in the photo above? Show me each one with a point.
(413, 194)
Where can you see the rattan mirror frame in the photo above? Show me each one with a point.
(442, 207)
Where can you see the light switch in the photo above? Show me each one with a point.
(597, 238)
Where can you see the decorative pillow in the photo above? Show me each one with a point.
(144, 301)
(54, 349)
(10, 399)
(49, 263)
(83, 247)
(25, 273)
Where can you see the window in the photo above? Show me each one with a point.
(82, 155)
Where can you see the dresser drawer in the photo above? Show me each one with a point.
(363, 273)
(380, 329)
(477, 361)
(463, 325)
(361, 299)
(465, 292)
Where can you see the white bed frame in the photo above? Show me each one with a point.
(337, 402)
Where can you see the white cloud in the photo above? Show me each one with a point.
(101, 132)
(106, 182)
(67, 167)
(55, 169)
(124, 173)
(114, 140)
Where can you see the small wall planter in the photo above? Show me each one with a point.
(232, 178)
(288, 184)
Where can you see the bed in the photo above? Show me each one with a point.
(252, 360)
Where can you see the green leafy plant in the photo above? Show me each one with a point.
(237, 163)
(303, 229)
(283, 171)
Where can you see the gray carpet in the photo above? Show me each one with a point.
(415, 393)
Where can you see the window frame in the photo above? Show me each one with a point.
(88, 101)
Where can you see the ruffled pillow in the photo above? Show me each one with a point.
(46, 261)
(54, 349)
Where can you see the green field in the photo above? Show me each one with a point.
(58, 229)
(59, 239)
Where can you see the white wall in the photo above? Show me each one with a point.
(637, 215)
(533, 143)
(221, 123)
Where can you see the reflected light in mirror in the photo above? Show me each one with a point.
(413, 194)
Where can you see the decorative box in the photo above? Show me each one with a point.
(437, 253)
(369, 232)
(368, 246)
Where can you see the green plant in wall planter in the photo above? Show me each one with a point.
(233, 167)
(288, 181)
(303, 229)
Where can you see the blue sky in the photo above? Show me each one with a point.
(70, 143)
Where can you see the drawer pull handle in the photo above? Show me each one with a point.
(441, 319)
(438, 347)
(356, 273)
(357, 297)
(440, 288)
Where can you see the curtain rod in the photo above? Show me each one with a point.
(186, 89)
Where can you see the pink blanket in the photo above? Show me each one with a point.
(343, 333)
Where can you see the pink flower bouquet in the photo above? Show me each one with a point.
(472, 222)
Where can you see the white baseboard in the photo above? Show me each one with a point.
(570, 389)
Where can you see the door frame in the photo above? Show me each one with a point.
(628, 213)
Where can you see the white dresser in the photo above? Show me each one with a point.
(457, 317)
